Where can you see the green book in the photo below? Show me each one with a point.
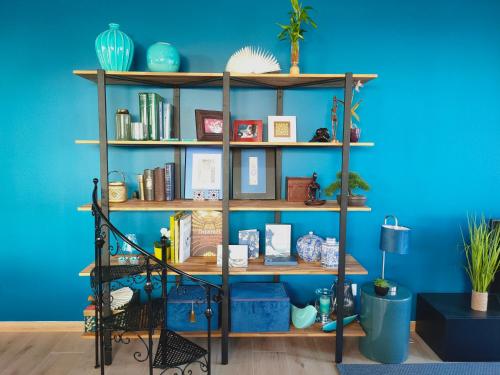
(153, 103)
(143, 110)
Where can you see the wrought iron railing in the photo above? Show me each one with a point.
(173, 351)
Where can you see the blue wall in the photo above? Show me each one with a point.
(433, 114)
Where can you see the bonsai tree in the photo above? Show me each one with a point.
(482, 252)
(355, 182)
(294, 31)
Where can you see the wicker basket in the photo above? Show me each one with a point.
(117, 189)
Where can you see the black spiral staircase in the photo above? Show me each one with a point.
(149, 273)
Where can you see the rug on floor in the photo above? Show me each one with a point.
(439, 368)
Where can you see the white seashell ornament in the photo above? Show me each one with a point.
(252, 60)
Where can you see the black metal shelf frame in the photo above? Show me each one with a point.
(103, 151)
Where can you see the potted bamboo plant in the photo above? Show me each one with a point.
(294, 31)
(482, 252)
(355, 182)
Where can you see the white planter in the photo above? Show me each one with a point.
(479, 301)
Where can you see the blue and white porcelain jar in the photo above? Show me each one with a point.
(330, 253)
(309, 247)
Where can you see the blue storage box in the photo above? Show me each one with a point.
(181, 300)
(259, 307)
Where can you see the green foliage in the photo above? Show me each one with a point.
(382, 283)
(482, 252)
(355, 182)
(298, 15)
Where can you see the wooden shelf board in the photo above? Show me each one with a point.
(234, 205)
(352, 330)
(208, 266)
(219, 144)
(215, 79)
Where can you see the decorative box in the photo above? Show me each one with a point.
(296, 188)
(182, 301)
(259, 307)
(309, 247)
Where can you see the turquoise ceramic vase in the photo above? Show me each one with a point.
(163, 57)
(303, 318)
(115, 49)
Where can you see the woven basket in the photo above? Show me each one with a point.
(117, 189)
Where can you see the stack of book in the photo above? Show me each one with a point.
(157, 115)
(157, 184)
(180, 237)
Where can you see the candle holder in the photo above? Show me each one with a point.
(324, 305)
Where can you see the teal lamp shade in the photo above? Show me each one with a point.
(394, 238)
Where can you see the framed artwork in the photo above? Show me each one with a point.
(203, 174)
(250, 237)
(238, 256)
(209, 125)
(247, 130)
(253, 174)
(278, 239)
(281, 129)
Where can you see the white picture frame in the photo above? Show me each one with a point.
(282, 129)
(278, 240)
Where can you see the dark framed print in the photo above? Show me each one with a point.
(254, 174)
(209, 125)
(247, 130)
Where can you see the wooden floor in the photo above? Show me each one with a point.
(66, 353)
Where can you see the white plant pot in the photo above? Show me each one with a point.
(479, 301)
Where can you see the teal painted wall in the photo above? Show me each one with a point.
(433, 114)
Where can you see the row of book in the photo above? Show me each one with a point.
(157, 184)
(157, 114)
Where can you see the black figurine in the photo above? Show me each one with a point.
(321, 135)
(313, 192)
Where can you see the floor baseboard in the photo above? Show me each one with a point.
(41, 326)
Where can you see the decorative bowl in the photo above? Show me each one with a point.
(309, 247)
(305, 317)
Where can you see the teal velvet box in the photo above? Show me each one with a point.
(181, 300)
(259, 307)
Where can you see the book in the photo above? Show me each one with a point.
(149, 184)
(172, 238)
(143, 110)
(206, 233)
(140, 183)
(278, 239)
(159, 185)
(185, 237)
(153, 106)
(167, 129)
(177, 217)
(270, 260)
(170, 181)
(250, 238)
(238, 256)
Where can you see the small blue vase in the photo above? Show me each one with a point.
(163, 57)
(115, 49)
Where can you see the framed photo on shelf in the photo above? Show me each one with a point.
(281, 129)
(247, 130)
(203, 174)
(278, 240)
(253, 174)
(209, 125)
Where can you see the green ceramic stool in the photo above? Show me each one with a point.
(386, 321)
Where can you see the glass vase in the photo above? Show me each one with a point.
(294, 58)
(349, 307)
(324, 304)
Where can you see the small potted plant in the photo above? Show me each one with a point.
(482, 251)
(381, 287)
(355, 182)
(295, 31)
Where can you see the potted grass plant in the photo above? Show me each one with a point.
(295, 32)
(482, 252)
(381, 287)
(355, 182)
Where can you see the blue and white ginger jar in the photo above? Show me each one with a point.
(115, 49)
(309, 247)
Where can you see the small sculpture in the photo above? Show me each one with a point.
(313, 193)
(321, 135)
(335, 119)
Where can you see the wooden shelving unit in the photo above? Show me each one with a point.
(352, 330)
(205, 266)
(234, 205)
(219, 144)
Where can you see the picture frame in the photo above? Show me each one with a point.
(247, 130)
(282, 129)
(238, 256)
(209, 125)
(203, 173)
(278, 240)
(254, 174)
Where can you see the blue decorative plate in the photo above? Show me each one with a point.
(332, 326)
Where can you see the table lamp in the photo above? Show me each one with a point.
(393, 239)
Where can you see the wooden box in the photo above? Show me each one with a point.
(296, 188)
